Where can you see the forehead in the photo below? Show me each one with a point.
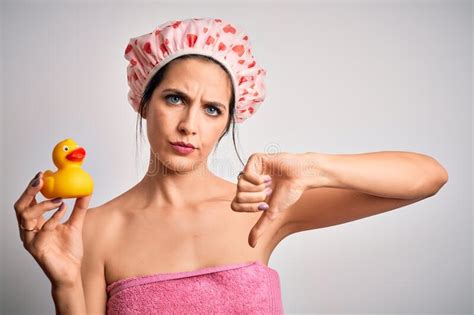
(191, 75)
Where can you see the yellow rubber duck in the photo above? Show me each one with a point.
(70, 180)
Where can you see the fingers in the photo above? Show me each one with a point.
(38, 210)
(29, 194)
(52, 222)
(79, 212)
(255, 178)
(250, 197)
(251, 201)
(254, 169)
(26, 200)
(243, 197)
(244, 185)
(32, 217)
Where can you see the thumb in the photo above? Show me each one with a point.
(79, 212)
(276, 201)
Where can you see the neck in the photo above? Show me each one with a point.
(162, 187)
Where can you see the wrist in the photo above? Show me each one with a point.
(69, 299)
(317, 170)
(67, 286)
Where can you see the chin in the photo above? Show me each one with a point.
(178, 163)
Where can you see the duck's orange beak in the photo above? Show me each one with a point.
(76, 155)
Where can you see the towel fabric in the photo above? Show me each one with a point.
(243, 288)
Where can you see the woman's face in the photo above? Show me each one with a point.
(193, 117)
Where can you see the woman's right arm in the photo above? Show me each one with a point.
(59, 249)
(70, 299)
(88, 292)
(92, 268)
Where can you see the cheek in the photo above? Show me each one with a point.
(157, 118)
(156, 127)
(212, 136)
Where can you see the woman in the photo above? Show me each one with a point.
(183, 239)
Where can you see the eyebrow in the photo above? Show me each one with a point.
(187, 98)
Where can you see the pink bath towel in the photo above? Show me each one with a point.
(243, 288)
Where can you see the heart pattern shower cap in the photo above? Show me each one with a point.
(221, 40)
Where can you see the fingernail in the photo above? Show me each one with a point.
(35, 182)
(263, 206)
(56, 200)
(36, 177)
(269, 191)
(267, 180)
(268, 184)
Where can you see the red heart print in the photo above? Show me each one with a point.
(229, 29)
(239, 50)
(209, 40)
(164, 49)
(191, 39)
(147, 47)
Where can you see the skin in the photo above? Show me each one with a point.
(179, 199)
(181, 217)
(177, 218)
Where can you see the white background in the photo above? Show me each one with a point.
(342, 77)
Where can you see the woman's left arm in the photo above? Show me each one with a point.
(314, 190)
(340, 188)
(389, 174)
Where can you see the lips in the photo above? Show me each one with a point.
(76, 155)
(183, 144)
(181, 149)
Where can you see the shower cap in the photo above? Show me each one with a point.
(221, 40)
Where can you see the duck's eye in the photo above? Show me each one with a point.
(66, 148)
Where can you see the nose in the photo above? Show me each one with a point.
(188, 123)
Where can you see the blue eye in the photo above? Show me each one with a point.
(216, 112)
(170, 96)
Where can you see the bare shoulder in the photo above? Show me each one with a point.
(96, 234)
(228, 188)
(101, 221)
